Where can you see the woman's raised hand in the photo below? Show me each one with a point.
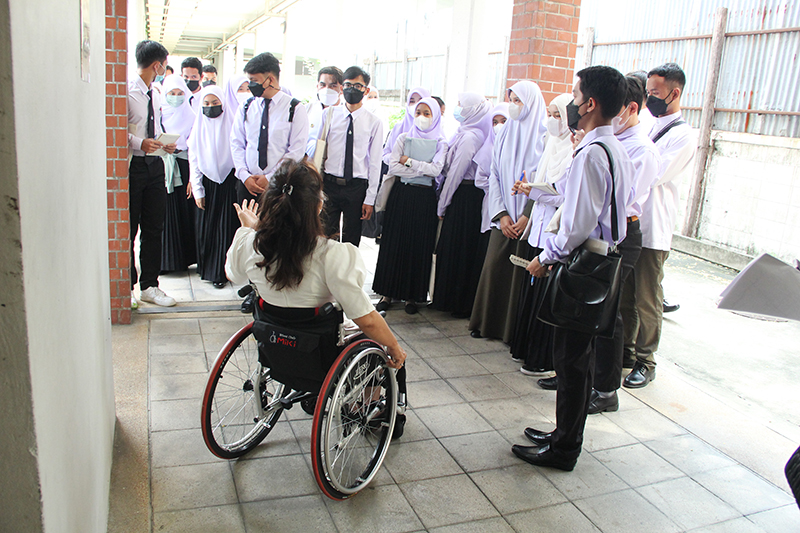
(247, 213)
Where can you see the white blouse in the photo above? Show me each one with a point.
(333, 272)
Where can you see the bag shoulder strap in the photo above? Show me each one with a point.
(292, 107)
(326, 129)
(246, 106)
(614, 223)
(671, 125)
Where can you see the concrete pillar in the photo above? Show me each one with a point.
(292, 30)
(544, 37)
(468, 57)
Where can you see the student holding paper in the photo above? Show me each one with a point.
(518, 148)
(409, 228)
(179, 249)
(147, 194)
(532, 342)
(213, 183)
(352, 169)
(462, 246)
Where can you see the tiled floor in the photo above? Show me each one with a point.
(453, 469)
(679, 455)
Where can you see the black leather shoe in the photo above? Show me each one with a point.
(219, 284)
(383, 305)
(411, 308)
(598, 404)
(475, 334)
(539, 438)
(399, 426)
(548, 383)
(669, 308)
(542, 457)
(639, 377)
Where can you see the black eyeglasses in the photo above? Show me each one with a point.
(348, 85)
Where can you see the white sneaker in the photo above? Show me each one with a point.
(154, 295)
(134, 303)
(535, 372)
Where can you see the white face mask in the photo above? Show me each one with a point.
(412, 108)
(422, 122)
(372, 104)
(327, 96)
(514, 111)
(554, 126)
(497, 128)
(243, 97)
(618, 125)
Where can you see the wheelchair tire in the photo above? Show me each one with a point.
(240, 404)
(353, 420)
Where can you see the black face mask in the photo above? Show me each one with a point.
(573, 115)
(352, 95)
(256, 88)
(209, 82)
(657, 106)
(212, 111)
(192, 85)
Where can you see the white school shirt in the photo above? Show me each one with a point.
(137, 114)
(543, 211)
(660, 212)
(646, 161)
(194, 101)
(587, 196)
(367, 146)
(287, 140)
(333, 272)
(315, 111)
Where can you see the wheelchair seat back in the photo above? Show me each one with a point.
(299, 345)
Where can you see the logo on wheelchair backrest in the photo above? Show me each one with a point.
(282, 339)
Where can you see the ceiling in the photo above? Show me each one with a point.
(198, 27)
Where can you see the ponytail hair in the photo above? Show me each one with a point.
(289, 225)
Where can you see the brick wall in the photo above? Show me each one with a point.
(117, 159)
(544, 37)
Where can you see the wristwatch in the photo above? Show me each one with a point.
(408, 163)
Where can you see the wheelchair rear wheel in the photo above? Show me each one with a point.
(353, 420)
(241, 402)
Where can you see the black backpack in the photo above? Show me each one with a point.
(292, 107)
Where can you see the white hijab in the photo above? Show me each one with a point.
(210, 139)
(558, 150)
(519, 145)
(177, 119)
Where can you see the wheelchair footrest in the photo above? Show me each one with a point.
(288, 401)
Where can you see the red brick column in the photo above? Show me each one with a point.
(117, 159)
(544, 37)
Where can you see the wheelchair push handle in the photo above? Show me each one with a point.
(244, 291)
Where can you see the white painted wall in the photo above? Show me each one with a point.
(60, 150)
(752, 199)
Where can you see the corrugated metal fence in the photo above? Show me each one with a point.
(759, 77)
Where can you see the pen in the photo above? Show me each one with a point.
(520, 179)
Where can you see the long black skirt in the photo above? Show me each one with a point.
(179, 242)
(460, 252)
(533, 339)
(403, 271)
(218, 224)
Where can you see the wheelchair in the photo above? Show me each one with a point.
(307, 356)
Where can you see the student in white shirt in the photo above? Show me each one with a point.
(268, 128)
(147, 194)
(329, 92)
(351, 170)
(677, 144)
(598, 97)
(646, 160)
(192, 71)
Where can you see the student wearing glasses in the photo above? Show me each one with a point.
(351, 171)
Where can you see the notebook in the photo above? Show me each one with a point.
(420, 149)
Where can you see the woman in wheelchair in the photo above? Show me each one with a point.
(282, 251)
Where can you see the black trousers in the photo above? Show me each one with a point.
(608, 363)
(345, 201)
(573, 360)
(148, 202)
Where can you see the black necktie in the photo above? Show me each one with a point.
(151, 120)
(348, 151)
(263, 138)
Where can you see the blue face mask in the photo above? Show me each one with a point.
(175, 100)
(159, 79)
(457, 114)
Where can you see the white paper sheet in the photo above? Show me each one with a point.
(767, 286)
